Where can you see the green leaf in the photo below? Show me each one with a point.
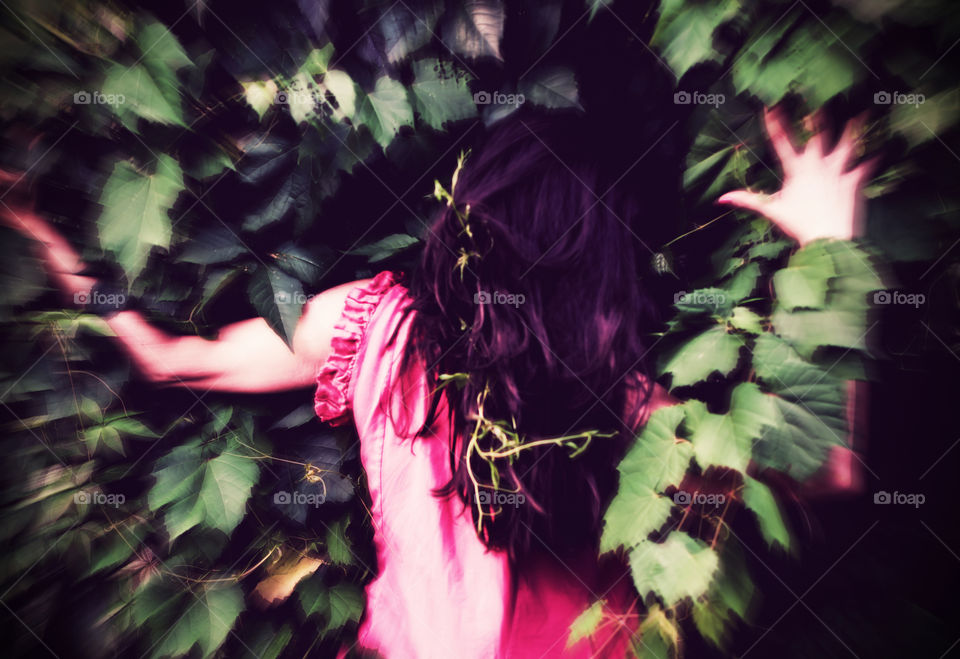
(90, 409)
(551, 87)
(658, 458)
(346, 605)
(135, 208)
(385, 110)
(634, 513)
(684, 31)
(158, 45)
(474, 28)
(715, 439)
(279, 299)
(386, 247)
(659, 636)
(714, 350)
(227, 482)
(809, 410)
(804, 282)
(338, 544)
(440, 93)
(260, 95)
(130, 426)
(677, 568)
(138, 95)
(746, 320)
(585, 624)
(759, 499)
(205, 622)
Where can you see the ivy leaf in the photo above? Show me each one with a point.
(758, 498)
(634, 513)
(205, 622)
(135, 207)
(440, 94)
(475, 29)
(809, 410)
(338, 544)
(714, 350)
(746, 320)
(684, 31)
(658, 458)
(677, 568)
(659, 636)
(385, 110)
(551, 87)
(227, 482)
(278, 298)
(386, 247)
(346, 605)
(585, 624)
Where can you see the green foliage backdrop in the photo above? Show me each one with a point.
(229, 161)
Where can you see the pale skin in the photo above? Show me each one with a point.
(820, 198)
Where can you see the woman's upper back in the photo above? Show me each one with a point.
(439, 590)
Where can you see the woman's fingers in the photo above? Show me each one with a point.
(847, 143)
(752, 201)
(779, 133)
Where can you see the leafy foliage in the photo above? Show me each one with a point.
(238, 159)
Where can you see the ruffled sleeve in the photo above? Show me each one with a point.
(331, 401)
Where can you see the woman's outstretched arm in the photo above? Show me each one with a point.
(820, 198)
(247, 356)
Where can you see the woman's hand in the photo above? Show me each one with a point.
(60, 259)
(820, 197)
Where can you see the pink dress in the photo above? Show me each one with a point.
(439, 591)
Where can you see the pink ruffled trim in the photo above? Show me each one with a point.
(331, 401)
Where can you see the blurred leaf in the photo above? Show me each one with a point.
(758, 498)
(206, 620)
(440, 93)
(278, 298)
(135, 207)
(677, 568)
(585, 624)
(711, 351)
(684, 32)
(385, 110)
(474, 28)
(386, 247)
(552, 87)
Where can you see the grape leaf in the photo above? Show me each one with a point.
(677, 568)
(385, 109)
(440, 94)
(135, 207)
(758, 498)
(714, 350)
(206, 621)
(684, 31)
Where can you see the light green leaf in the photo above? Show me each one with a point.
(758, 498)
(227, 482)
(260, 95)
(674, 569)
(338, 544)
(684, 31)
(634, 513)
(132, 93)
(385, 110)
(585, 624)
(714, 350)
(440, 93)
(206, 621)
(135, 208)
(658, 458)
(746, 320)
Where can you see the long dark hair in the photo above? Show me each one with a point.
(532, 287)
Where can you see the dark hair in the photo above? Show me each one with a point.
(552, 216)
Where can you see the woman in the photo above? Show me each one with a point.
(525, 326)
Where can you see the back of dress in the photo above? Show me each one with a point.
(439, 591)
